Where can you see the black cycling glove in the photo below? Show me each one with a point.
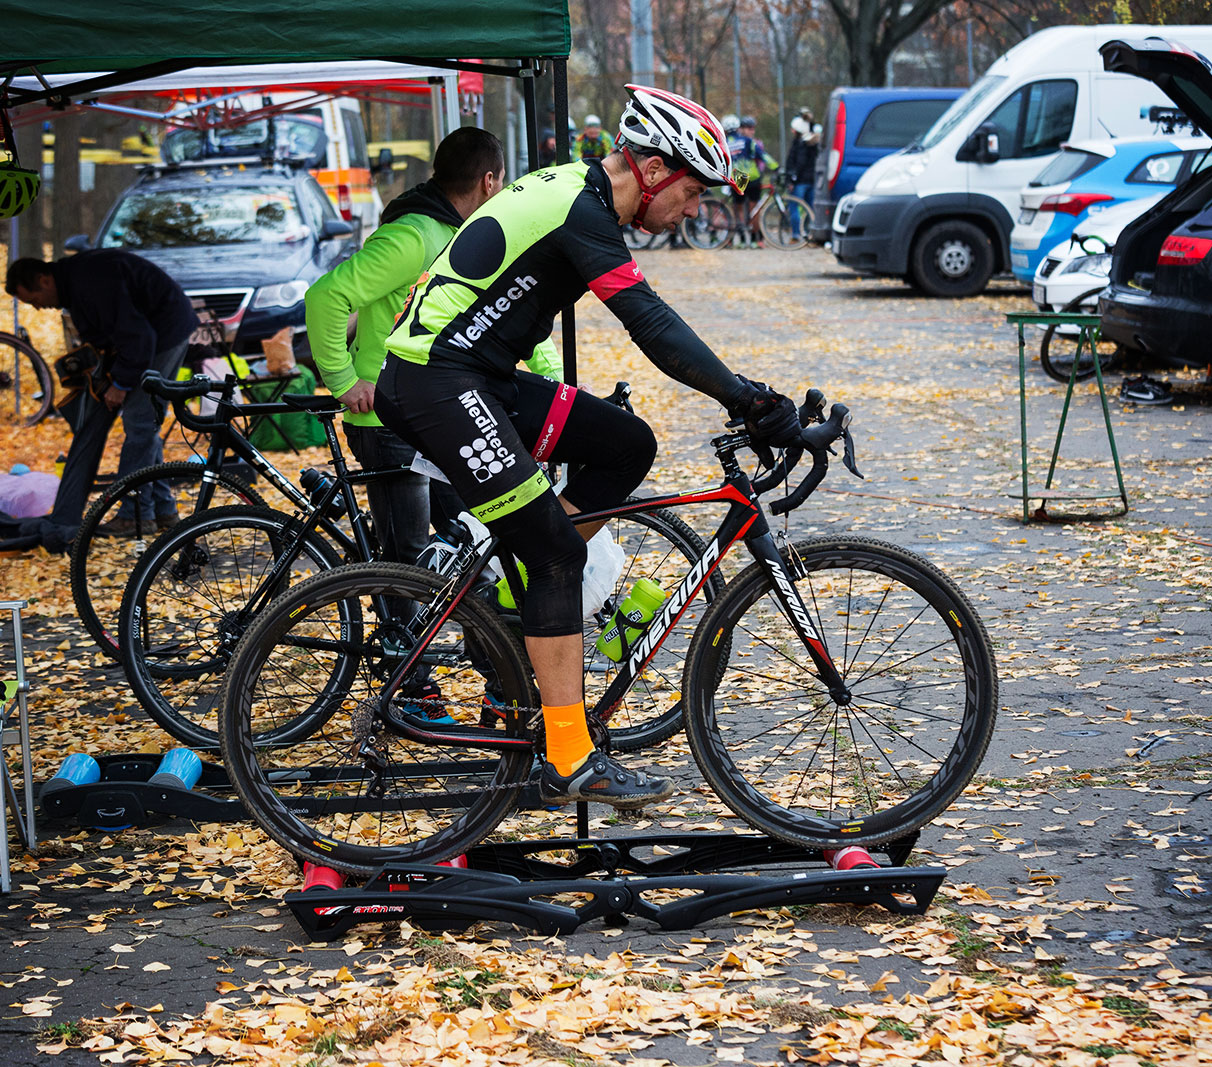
(769, 417)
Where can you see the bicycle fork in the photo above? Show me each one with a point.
(762, 545)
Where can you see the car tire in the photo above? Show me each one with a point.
(952, 258)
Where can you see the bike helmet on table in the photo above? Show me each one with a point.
(18, 187)
(680, 130)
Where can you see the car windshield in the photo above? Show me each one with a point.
(186, 217)
(960, 110)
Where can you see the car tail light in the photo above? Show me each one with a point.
(1072, 203)
(1179, 251)
(345, 203)
(838, 147)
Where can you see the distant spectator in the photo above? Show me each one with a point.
(594, 142)
(749, 157)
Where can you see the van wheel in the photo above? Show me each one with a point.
(952, 259)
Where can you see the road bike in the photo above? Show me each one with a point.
(26, 387)
(101, 562)
(197, 588)
(840, 690)
(783, 221)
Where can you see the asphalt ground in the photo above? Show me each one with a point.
(1081, 851)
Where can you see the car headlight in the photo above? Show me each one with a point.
(285, 295)
(1100, 265)
(899, 175)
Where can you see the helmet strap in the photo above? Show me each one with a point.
(648, 192)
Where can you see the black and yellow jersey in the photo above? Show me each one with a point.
(532, 250)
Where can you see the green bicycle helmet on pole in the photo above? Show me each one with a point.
(18, 188)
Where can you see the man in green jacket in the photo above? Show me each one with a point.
(468, 168)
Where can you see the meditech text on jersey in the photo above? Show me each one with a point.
(487, 454)
(487, 315)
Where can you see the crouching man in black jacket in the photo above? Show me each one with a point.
(129, 307)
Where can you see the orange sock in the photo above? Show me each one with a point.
(568, 743)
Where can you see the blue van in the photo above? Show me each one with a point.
(861, 125)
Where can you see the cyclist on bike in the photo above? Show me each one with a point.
(593, 142)
(450, 385)
(750, 158)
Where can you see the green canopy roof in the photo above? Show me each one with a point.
(68, 36)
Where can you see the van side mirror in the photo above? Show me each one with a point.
(331, 228)
(77, 242)
(987, 146)
(385, 160)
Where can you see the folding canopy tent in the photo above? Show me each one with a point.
(72, 51)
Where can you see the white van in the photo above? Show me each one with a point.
(939, 213)
(326, 132)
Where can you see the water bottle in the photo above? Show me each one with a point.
(441, 551)
(60, 463)
(77, 769)
(180, 768)
(316, 483)
(631, 618)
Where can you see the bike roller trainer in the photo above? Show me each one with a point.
(117, 791)
(510, 881)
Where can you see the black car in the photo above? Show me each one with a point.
(1159, 300)
(246, 238)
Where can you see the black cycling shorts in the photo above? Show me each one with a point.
(481, 431)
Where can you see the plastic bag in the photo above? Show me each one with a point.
(27, 496)
(279, 352)
(602, 569)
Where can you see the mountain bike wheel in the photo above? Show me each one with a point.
(784, 221)
(184, 610)
(1057, 351)
(101, 566)
(641, 239)
(711, 228)
(661, 547)
(26, 389)
(356, 793)
(798, 764)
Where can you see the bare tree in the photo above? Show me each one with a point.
(873, 29)
(686, 35)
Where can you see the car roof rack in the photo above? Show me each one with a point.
(282, 165)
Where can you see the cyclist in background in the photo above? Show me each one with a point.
(593, 142)
(750, 158)
(450, 386)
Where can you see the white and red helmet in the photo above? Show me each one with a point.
(674, 126)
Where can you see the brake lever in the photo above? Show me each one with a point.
(848, 454)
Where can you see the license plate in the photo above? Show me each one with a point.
(1037, 294)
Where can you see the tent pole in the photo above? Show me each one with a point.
(453, 119)
(568, 324)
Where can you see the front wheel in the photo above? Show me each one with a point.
(867, 766)
(953, 258)
(1058, 349)
(784, 221)
(188, 602)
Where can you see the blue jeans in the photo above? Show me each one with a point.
(804, 191)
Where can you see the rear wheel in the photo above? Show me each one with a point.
(784, 221)
(1058, 349)
(711, 228)
(952, 258)
(26, 390)
(359, 792)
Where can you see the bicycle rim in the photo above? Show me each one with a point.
(26, 390)
(803, 767)
(185, 608)
(1058, 350)
(356, 793)
(711, 227)
(778, 227)
(101, 566)
(658, 546)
